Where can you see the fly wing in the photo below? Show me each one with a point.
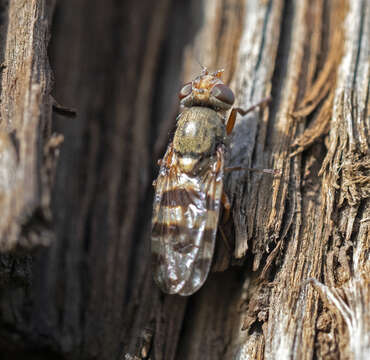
(184, 225)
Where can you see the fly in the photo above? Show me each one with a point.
(189, 188)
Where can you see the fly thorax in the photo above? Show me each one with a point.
(199, 130)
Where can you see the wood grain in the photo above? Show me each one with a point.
(27, 150)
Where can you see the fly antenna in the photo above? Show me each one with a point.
(204, 69)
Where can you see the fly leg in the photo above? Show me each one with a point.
(226, 204)
(229, 128)
(224, 238)
(225, 216)
(166, 161)
(167, 158)
(266, 171)
(231, 121)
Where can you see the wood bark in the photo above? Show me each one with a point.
(75, 274)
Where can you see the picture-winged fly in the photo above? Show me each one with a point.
(189, 187)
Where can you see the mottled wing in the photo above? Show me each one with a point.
(184, 226)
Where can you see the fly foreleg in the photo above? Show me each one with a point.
(231, 121)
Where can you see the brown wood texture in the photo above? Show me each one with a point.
(75, 277)
(27, 145)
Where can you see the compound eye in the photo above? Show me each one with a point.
(223, 93)
(185, 90)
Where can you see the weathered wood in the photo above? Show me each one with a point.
(26, 145)
(300, 288)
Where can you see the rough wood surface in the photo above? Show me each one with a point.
(297, 283)
(27, 152)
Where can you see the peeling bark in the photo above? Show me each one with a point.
(297, 282)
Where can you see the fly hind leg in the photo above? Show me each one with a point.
(227, 206)
(225, 217)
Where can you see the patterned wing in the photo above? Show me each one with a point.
(184, 225)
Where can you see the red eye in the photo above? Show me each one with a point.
(185, 90)
(223, 93)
